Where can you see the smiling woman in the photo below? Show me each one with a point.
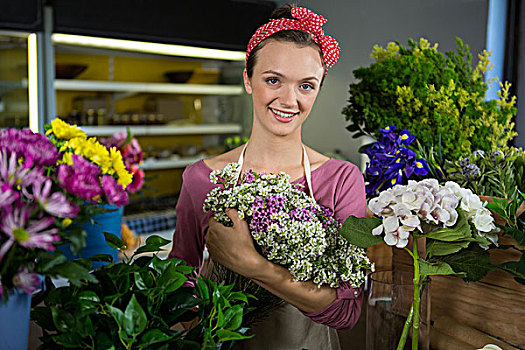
(287, 60)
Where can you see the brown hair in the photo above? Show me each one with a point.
(298, 37)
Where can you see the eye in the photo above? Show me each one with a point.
(307, 86)
(272, 81)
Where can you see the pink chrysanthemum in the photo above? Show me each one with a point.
(35, 148)
(54, 203)
(81, 179)
(26, 280)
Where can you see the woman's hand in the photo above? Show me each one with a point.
(233, 246)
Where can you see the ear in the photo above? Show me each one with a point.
(247, 82)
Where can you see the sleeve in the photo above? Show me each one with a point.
(188, 238)
(349, 199)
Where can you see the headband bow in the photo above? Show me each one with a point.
(304, 20)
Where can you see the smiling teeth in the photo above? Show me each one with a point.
(282, 114)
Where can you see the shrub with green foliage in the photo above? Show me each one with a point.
(135, 304)
(420, 89)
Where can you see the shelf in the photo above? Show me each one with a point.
(143, 130)
(172, 163)
(6, 86)
(167, 88)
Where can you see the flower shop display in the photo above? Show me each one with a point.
(136, 304)
(437, 97)
(456, 225)
(392, 162)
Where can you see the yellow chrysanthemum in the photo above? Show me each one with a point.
(124, 177)
(66, 159)
(65, 131)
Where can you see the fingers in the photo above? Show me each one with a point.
(233, 214)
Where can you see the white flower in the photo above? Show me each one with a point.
(483, 220)
(399, 238)
(471, 203)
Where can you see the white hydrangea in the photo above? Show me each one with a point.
(425, 205)
(308, 249)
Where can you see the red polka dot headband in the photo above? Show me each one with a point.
(306, 21)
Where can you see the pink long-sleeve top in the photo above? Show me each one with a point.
(337, 185)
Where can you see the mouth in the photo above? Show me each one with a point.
(282, 116)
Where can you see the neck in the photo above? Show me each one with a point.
(274, 153)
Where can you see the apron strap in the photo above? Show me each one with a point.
(306, 164)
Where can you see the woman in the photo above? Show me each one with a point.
(286, 63)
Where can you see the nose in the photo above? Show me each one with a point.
(288, 96)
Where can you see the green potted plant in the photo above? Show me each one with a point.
(136, 304)
(439, 98)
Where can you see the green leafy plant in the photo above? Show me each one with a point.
(498, 174)
(135, 304)
(515, 229)
(428, 93)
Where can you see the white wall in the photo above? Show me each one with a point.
(360, 24)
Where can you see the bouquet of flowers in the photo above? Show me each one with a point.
(453, 220)
(45, 185)
(391, 161)
(132, 155)
(87, 168)
(288, 226)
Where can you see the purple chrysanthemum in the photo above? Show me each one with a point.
(35, 148)
(28, 233)
(81, 179)
(26, 280)
(54, 203)
(113, 191)
(7, 195)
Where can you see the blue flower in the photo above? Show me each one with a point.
(391, 161)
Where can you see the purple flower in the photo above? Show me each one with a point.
(28, 281)
(7, 195)
(391, 161)
(54, 203)
(113, 191)
(28, 233)
(81, 179)
(35, 148)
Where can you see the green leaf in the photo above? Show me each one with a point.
(88, 301)
(154, 336)
(517, 268)
(63, 320)
(459, 232)
(438, 248)
(104, 342)
(68, 340)
(157, 240)
(358, 231)
(474, 261)
(74, 272)
(135, 319)
(428, 269)
(220, 318)
(202, 289)
(515, 234)
(117, 314)
(114, 241)
(238, 296)
(233, 317)
(50, 260)
(171, 280)
(226, 334)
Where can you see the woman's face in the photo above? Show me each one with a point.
(285, 82)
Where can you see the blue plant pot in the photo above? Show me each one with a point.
(95, 241)
(14, 321)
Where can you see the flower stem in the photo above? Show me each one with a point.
(415, 301)
(406, 327)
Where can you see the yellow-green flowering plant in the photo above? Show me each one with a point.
(432, 94)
